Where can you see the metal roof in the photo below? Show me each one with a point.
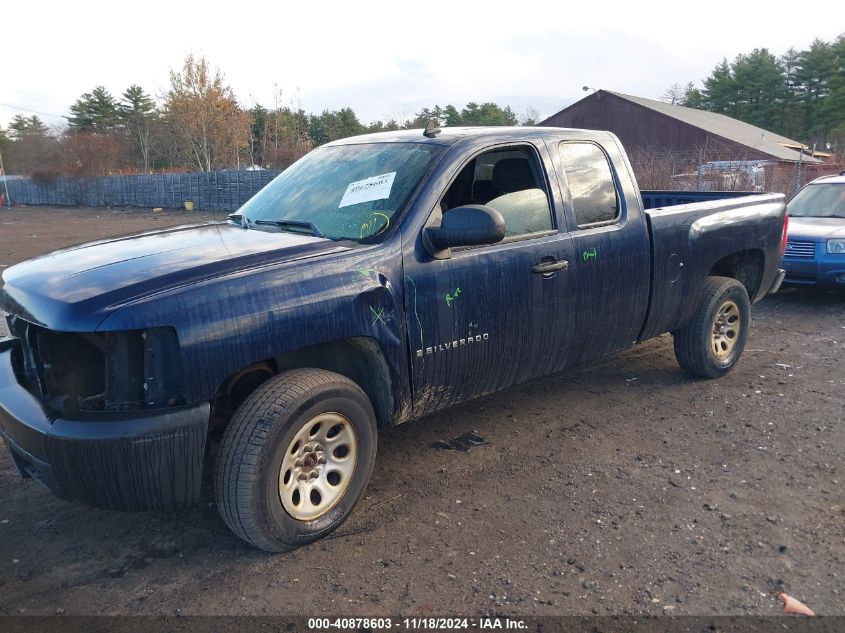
(738, 131)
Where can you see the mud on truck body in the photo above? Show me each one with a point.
(379, 279)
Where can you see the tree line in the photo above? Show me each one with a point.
(198, 124)
(799, 94)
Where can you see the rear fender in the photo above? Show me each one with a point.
(688, 240)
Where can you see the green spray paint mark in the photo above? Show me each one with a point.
(379, 316)
(416, 314)
(588, 255)
(375, 218)
(363, 273)
(450, 297)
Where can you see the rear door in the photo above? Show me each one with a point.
(611, 266)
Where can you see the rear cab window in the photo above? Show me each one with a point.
(595, 200)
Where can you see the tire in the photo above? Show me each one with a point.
(712, 342)
(274, 510)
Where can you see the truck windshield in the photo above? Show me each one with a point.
(824, 200)
(344, 191)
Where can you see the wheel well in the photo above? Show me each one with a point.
(360, 359)
(746, 267)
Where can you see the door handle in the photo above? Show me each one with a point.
(550, 267)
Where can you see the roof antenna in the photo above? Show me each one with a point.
(432, 129)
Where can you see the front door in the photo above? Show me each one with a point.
(488, 317)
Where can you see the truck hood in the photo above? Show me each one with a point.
(76, 288)
(816, 228)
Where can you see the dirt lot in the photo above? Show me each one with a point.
(622, 488)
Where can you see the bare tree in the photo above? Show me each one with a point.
(92, 154)
(283, 133)
(674, 94)
(656, 168)
(530, 117)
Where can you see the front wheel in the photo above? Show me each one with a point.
(712, 342)
(295, 459)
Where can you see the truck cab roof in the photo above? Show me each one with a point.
(448, 136)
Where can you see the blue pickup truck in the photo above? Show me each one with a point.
(379, 279)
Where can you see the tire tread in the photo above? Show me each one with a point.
(691, 355)
(238, 467)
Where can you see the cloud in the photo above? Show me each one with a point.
(384, 58)
(544, 72)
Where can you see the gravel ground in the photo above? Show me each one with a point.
(621, 488)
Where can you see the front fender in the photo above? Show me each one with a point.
(226, 324)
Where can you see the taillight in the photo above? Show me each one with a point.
(783, 238)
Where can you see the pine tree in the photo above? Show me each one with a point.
(800, 94)
(817, 68)
(761, 88)
(452, 117)
(259, 126)
(95, 111)
(832, 110)
(792, 121)
(23, 125)
(137, 114)
(720, 90)
(692, 97)
(5, 143)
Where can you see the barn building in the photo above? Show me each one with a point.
(695, 138)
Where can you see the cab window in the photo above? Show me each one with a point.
(590, 180)
(510, 181)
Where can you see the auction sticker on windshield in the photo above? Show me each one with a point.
(374, 188)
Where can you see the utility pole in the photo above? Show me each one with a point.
(698, 170)
(5, 182)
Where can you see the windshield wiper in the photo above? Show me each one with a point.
(312, 228)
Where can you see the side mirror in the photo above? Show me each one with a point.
(470, 225)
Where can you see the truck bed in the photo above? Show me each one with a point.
(687, 238)
(658, 198)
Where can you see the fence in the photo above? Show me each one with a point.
(699, 170)
(214, 191)
(228, 190)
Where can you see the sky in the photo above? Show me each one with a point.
(388, 59)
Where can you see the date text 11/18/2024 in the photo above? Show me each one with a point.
(427, 624)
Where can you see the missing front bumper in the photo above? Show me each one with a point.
(140, 461)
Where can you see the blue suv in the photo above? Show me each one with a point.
(815, 247)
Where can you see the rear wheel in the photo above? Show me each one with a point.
(295, 459)
(713, 341)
